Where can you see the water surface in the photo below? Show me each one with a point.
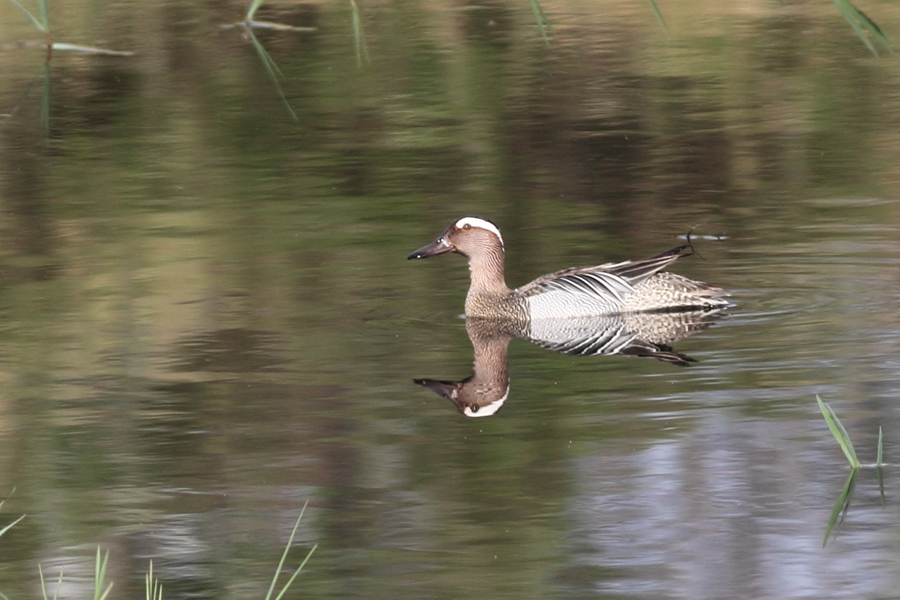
(207, 316)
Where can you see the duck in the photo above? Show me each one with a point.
(578, 292)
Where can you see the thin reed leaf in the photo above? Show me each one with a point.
(267, 25)
(863, 26)
(287, 548)
(659, 18)
(10, 526)
(57, 46)
(41, 26)
(44, 586)
(841, 506)
(100, 576)
(43, 583)
(297, 572)
(839, 433)
(45, 16)
(359, 36)
(878, 461)
(272, 69)
(152, 586)
(251, 10)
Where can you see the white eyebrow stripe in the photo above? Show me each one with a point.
(476, 222)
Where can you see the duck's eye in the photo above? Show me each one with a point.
(467, 226)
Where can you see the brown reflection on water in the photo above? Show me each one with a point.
(644, 335)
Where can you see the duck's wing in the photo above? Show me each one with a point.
(636, 271)
(616, 279)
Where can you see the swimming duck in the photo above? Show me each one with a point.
(629, 286)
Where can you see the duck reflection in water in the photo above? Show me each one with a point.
(633, 334)
(631, 307)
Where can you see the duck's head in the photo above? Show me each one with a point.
(469, 236)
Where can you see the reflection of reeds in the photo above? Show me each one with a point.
(841, 506)
(248, 25)
(359, 36)
(542, 20)
(272, 69)
(659, 17)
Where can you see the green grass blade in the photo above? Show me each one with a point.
(10, 526)
(542, 21)
(297, 572)
(359, 36)
(272, 69)
(58, 584)
(842, 505)
(44, 585)
(863, 26)
(37, 23)
(100, 576)
(839, 433)
(7, 498)
(659, 18)
(284, 554)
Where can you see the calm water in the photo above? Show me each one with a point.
(207, 316)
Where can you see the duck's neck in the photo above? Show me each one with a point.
(486, 270)
(488, 295)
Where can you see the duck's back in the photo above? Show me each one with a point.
(629, 286)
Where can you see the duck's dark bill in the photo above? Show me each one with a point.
(438, 246)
